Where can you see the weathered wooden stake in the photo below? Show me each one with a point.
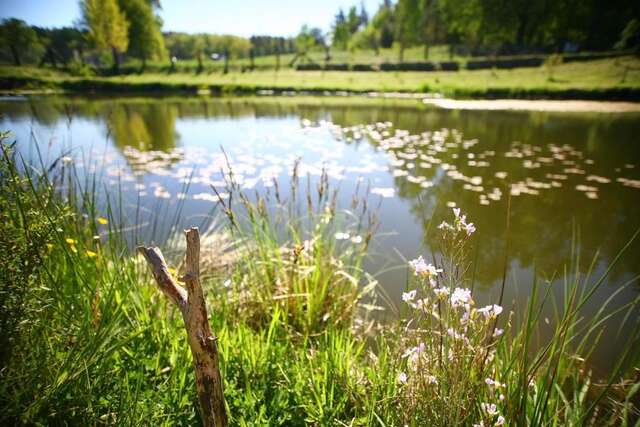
(203, 343)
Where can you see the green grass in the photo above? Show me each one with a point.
(91, 340)
(358, 56)
(599, 79)
(412, 54)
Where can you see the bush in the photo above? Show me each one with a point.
(505, 63)
(24, 240)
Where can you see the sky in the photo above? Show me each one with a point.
(238, 17)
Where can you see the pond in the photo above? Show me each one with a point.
(564, 175)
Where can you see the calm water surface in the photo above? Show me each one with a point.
(567, 173)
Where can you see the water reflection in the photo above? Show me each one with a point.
(146, 127)
(564, 172)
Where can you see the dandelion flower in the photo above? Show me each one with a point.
(102, 220)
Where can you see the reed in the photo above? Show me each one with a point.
(87, 339)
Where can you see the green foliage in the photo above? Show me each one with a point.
(368, 38)
(630, 36)
(145, 38)
(20, 39)
(269, 45)
(64, 45)
(188, 46)
(24, 236)
(493, 26)
(93, 341)
(306, 40)
(107, 24)
(340, 31)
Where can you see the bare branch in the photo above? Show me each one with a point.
(202, 342)
(167, 285)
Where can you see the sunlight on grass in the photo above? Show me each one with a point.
(90, 340)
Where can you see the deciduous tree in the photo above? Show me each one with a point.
(108, 26)
(145, 39)
(19, 38)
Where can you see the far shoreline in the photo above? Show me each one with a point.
(553, 104)
(546, 105)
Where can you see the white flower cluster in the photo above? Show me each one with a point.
(421, 268)
(459, 224)
(444, 324)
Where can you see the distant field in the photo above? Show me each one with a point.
(597, 78)
(414, 54)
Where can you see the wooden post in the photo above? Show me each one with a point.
(202, 342)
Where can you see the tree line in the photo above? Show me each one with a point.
(110, 30)
(491, 26)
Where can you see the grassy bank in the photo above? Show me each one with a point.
(88, 339)
(611, 79)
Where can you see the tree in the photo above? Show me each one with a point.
(320, 40)
(353, 21)
(19, 37)
(61, 44)
(364, 16)
(145, 38)
(341, 32)
(630, 36)
(366, 39)
(383, 22)
(462, 20)
(305, 40)
(108, 27)
(407, 24)
(195, 47)
(431, 26)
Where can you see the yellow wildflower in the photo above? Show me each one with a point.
(71, 241)
(91, 254)
(172, 271)
(102, 220)
(49, 246)
(73, 249)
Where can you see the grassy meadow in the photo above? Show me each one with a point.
(89, 339)
(617, 78)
